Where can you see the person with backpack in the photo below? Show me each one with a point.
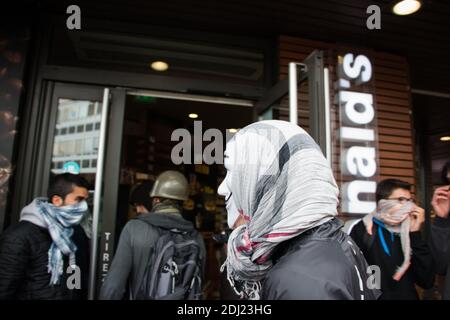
(160, 255)
(390, 239)
(281, 201)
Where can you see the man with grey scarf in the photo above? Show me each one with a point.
(52, 235)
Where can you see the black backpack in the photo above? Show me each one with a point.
(174, 270)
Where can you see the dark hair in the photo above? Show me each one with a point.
(62, 184)
(140, 195)
(387, 186)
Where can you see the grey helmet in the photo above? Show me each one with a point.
(171, 185)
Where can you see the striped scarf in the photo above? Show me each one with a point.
(59, 221)
(282, 186)
(395, 219)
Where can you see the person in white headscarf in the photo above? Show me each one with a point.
(281, 201)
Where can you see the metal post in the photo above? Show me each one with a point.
(98, 194)
(326, 91)
(293, 111)
(317, 93)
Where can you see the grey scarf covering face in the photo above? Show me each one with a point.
(59, 222)
(395, 217)
(282, 186)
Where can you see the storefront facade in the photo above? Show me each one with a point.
(81, 87)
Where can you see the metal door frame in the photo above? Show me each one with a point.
(107, 228)
(313, 71)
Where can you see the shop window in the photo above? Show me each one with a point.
(66, 149)
(91, 109)
(79, 147)
(88, 146)
(55, 148)
(96, 142)
(85, 164)
(69, 147)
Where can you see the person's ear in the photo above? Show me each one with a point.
(57, 201)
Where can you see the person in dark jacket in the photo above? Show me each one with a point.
(390, 239)
(35, 253)
(281, 200)
(440, 231)
(140, 236)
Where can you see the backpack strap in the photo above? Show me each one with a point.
(368, 239)
(151, 248)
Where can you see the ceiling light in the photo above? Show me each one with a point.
(193, 115)
(405, 7)
(445, 138)
(233, 130)
(159, 65)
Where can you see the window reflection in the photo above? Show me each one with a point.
(76, 135)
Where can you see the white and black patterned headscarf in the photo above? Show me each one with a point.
(282, 185)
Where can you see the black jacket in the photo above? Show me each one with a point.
(440, 245)
(23, 264)
(320, 264)
(421, 271)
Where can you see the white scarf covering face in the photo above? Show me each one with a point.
(282, 185)
(395, 217)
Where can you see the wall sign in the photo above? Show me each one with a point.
(357, 134)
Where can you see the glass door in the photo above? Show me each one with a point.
(76, 134)
(85, 125)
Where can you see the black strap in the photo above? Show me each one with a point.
(368, 239)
